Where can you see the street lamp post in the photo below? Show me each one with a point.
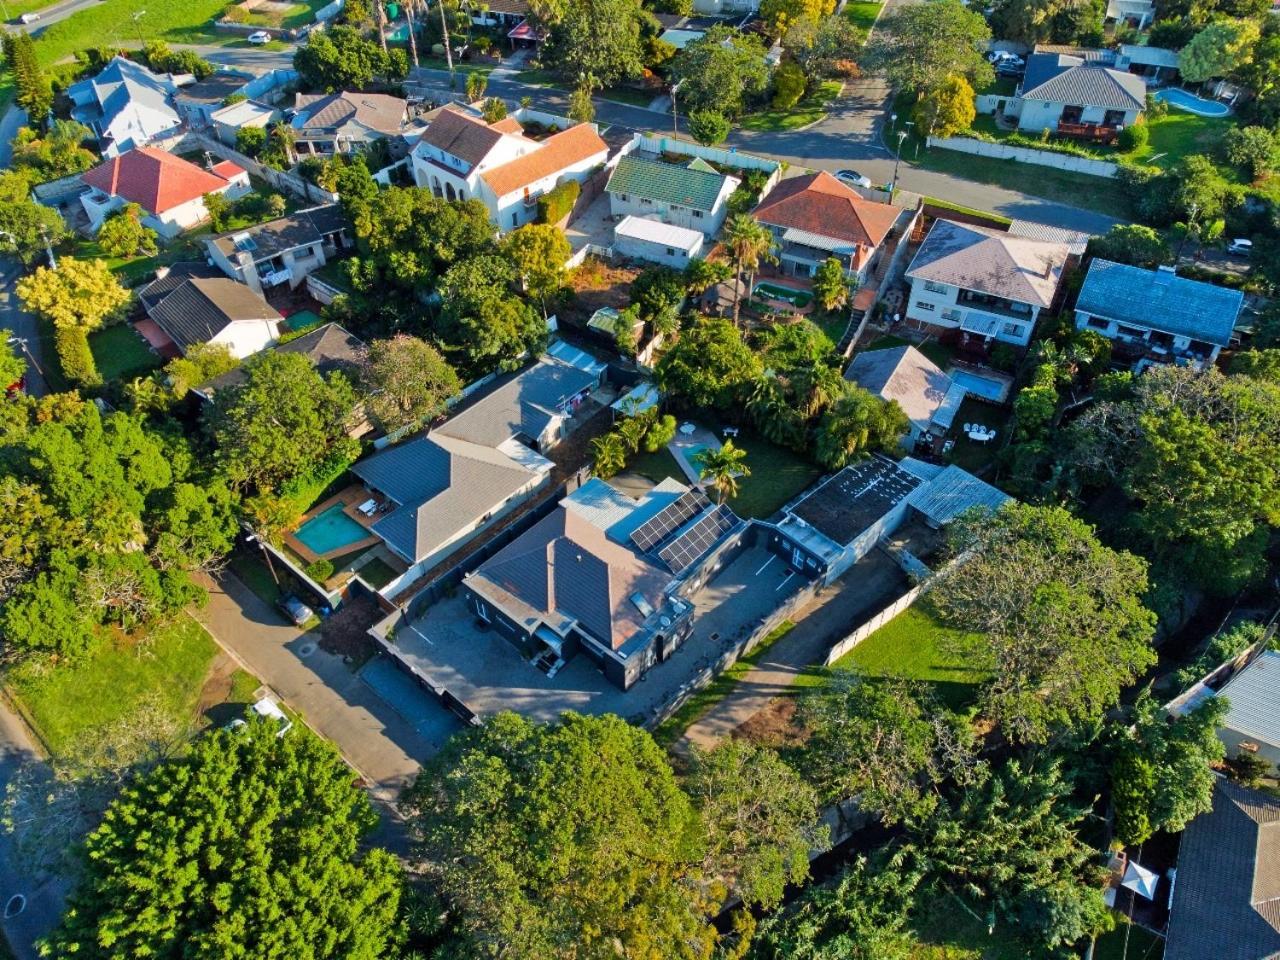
(897, 162)
(675, 115)
(266, 554)
(31, 357)
(137, 22)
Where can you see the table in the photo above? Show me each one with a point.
(687, 429)
(369, 507)
(978, 436)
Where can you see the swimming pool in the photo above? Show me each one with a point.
(691, 454)
(797, 298)
(329, 531)
(991, 388)
(1191, 103)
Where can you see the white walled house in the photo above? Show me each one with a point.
(461, 157)
(284, 250)
(986, 283)
(646, 239)
(1073, 96)
(169, 190)
(1156, 316)
(690, 195)
(192, 308)
(126, 105)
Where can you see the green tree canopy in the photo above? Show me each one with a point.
(597, 38)
(80, 294)
(246, 846)
(489, 325)
(539, 252)
(25, 225)
(709, 127)
(709, 366)
(830, 285)
(721, 71)
(59, 153)
(340, 58)
(858, 422)
(407, 381)
(918, 45)
(1064, 629)
(822, 47)
(1131, 243)
(123, 235)
(946, 109)
(1218, 49)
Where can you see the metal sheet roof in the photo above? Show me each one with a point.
(1061, 78)
(667, 182)
(1254, 695)
(655, 231)
(951, 493)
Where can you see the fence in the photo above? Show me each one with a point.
(1043, 158)
(279, 179)
(877, 621)
(321, 291)
(268, 86)
(588, 250)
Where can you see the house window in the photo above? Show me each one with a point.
(1131, 332)
(623, 197)
(646, 202)
(922, 305)
(515, 220)
(671, 251)
(935, 287)
(1012, 330)
(952, 315)
(697, 214)
(1098, 323)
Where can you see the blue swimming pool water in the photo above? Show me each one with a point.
(330, 530)
(987, 388)
(1192, 104)
(691, 454)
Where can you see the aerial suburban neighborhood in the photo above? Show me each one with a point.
(650, 479)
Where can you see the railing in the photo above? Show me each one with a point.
(1097, 132)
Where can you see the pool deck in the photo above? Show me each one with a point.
(683, 448)
(350, 497)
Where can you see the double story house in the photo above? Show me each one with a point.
(283, 250)
(816, 217)
(460, 157)
(1156, 316)
(169, 190)
(126, 105)
(1077, 96)
(691, 195)
(989, 285)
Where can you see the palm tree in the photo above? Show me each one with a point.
(749, 242)
(725, 467)
(610, 455)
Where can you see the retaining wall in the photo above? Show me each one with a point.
(1043, 158)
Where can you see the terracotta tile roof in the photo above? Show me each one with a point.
(461, 136)
(228, 169)
(507, 125)
(821, 204)
(155, 180)
(557, 152)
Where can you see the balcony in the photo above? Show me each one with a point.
(997, 306)
(1093, 132)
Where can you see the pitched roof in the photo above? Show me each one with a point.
(1254, 696)
(213, 89)
(442, 486)
(557, 152)
(1061, 78)
(329, 347)
(1226, 901)
(228, 169)
(155, 180)
(952, 491)
(567, 566)
(242, 112)
(905, 375)
(200, 308)
(1150, 56)
(123, 82)
(468, 138)
(991, 261)
(822, 205)
(519, 8)
(525, 405)
(667, 182)
(284, 233)
(1160, 300)
(179, 273)
(329, 111)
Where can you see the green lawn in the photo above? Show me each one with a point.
(914, 646)
(939, 353)
(862, 14)
(809, 110)
(1177, 135)
(1142, 945)
(251, 570)
(112, 23)
(297, 15)
(121, 354)
(945, 930)
(696, 707)
(377, 573)
(65, 705)
(961, 208)
(243, 686)
(975, 457)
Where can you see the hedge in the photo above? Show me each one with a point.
(557, 203)
(305, 490)
(76, 358)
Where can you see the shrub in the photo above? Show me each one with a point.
(1134, 137)
(76, 358)
(788, 86)
(557, 203)
(251, 140)
(320, 571)
(235, 14)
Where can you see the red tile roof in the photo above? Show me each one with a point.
(821, 204)
(155, 180)
(557, 152)
(228, 169)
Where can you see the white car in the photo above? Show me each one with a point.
(268, 709)
(999, 57)
(29, 17)
(1240, 247)
(854, 178)
(259, 37)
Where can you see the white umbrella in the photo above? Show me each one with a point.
(1140, 880)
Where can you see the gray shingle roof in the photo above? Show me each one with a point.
(666, 182)
(285, 233)
(197, 310)
(1059, 78)
(1226, 901)
(1254, 695)
(331, 111)
(178, 274)
(991, 261)
(905, 375)
(524, 405)
(1160, 300)
(443, 487)
(329, 348)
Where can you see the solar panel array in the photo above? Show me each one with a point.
(685, 549)
(668, 520)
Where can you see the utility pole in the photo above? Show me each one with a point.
(893, 190)
(413, 40)
(675, 119)
(137, 22)
(48, 249)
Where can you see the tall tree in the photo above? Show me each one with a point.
(248, 845)
(721, 71)
(490, 325)
(539, 252)
(1064, 629)
(282, 422)
(724, 468)
(78, 298)
(946, 109)
(709, 366)
(406, 381)
(27, 228)
(750, 243)
(567, 840)
(59, 153)
(34, 88)
(1218, 49)
(830, 285)
(124, 236)
(857, 423)
(599, 38)
(824, 47)
(920, 44)
(340, 58)
(780, 15)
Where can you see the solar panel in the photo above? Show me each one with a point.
(686, 549)
(668, 520)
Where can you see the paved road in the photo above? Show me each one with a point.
(53, 13)
(13, 118)
(44, 898)
(250, 58)
(22, 325)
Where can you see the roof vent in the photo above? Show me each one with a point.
(1164, 274)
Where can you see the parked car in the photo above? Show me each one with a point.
(1007, 68)
(1004, 56)
(293, 608)
(259, 37)
(29, 17)
(1240, 248)
(854, 178)
(268, 709)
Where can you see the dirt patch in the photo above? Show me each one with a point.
(597, 284)
(346, 632)
(213, 705)
(774, 726)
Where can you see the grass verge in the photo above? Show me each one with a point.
(121, 354)
(862, 14)
(960, 208)
(68, 705)
(701, 702)
(112, 23)
(809, 110)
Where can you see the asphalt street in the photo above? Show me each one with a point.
(21, 325)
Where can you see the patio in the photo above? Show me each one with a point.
(350, 499)
(686, 446)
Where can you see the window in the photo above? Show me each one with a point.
(1012, 330)
(671, 251)
(697, 214)
(1131, 332)
(950, 314)
(623, 197)
(936, 287)
(1097, 323)
(646, 202)
(641, 604)
(922, 305)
